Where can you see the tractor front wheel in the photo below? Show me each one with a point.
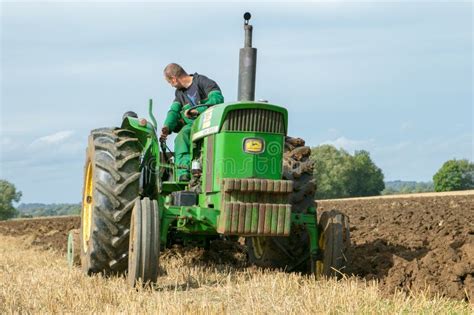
(334, 241)
(73, 248)
(144, 248)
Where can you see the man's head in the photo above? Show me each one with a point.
(175, 75)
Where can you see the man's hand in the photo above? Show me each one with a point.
(165, 131)
(190, 113)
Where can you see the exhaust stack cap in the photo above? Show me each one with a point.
(247, 17)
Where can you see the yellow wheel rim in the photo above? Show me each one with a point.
(87, 202)
(319, 263)
(258, 245)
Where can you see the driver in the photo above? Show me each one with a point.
(192, 91)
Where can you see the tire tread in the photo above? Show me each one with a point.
(116, 188)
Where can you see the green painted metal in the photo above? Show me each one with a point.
(212, 119)
(231, 161)
(150, 113)
(241, 191)
(244, 219)
(247, 196)
(143, 133)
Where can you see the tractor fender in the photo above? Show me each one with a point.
(143, 132)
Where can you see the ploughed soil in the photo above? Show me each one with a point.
(414, 242)
(410, 242)
(46, 232)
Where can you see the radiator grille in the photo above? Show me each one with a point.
(254, 120)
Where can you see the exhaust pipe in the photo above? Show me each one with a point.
(247, 64)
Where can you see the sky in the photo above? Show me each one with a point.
(393, 78)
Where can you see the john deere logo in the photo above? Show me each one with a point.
(254, 145)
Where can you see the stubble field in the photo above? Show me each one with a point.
(409, 254)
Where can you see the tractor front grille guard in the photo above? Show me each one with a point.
(255, 207)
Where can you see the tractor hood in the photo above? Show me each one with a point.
(241, 117)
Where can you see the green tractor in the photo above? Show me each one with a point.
(248, 179)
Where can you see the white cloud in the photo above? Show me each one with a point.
(54, 138)
(350, 144)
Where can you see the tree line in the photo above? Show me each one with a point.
(46, 210)
(10, 195)
(337, 173)
(406, 187)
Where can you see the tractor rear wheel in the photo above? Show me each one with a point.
(289, 253)
(144, 248)
(298, 167)
(111, 186)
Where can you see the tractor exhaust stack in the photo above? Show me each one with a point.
(247, 64)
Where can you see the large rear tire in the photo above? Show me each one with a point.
(289, 253)
(144, 248)
(111, 186)
(298, 167)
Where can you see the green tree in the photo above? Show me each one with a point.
(365, 178)
(339, 174)
(454, 175)
(330, 171)
(8, 195)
